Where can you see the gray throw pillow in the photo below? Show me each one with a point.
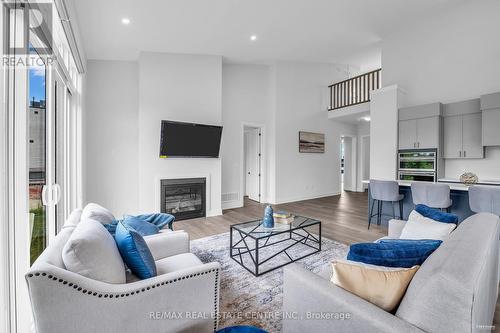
(91, 251)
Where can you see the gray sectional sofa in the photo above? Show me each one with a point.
(455, 290)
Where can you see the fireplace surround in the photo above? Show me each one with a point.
(185, 198)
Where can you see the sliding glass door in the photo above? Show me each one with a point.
(37, 155)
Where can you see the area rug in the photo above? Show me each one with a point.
(246, 299)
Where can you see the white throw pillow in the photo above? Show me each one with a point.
(421, 227)
(96, 212)
(73, 219)
(91, 251)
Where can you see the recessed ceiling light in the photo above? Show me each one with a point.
(126, 21)
(253, 38)
(366, 118)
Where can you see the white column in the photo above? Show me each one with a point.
(384, 106)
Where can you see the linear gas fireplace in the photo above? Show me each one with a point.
(184, 198)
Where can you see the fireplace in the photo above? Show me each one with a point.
(184, 198)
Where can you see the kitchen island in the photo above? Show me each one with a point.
(459, 195)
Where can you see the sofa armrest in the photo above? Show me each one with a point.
(167, 244)
(395, 228)
(314, 304)
(186, 300)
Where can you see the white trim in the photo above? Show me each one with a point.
(263, 160)
(354, 162)
(231, 204)
(362, 186)
(304, 198)
(5, 314)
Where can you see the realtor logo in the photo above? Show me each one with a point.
(30, 28)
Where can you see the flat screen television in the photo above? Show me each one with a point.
(189, 140)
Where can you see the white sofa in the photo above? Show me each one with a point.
(183, 297)
(455, 290)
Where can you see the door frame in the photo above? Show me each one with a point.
(361, 161)
(354, 166)
(262, 161)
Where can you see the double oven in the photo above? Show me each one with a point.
(419, 165)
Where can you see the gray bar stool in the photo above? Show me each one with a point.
(384, 191)
(431, 194)
(484, 199)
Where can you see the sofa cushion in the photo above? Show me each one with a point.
(436, 214)
(96, 212)
(393, 253)
(421, 227)
(455, 290)
(91, 251)
(176, 263)
(382, 286)
(135, 252)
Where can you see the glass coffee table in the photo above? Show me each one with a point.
(260, 250)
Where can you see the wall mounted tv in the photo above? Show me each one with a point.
(189, 140)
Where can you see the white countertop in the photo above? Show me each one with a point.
(454, 185)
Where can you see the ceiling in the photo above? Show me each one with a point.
(300, 30)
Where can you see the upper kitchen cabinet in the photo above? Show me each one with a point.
(419, 127)
(490, 108)
(462, 130)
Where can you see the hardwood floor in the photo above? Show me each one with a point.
(343, 217)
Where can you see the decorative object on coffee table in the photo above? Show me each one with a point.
(468, 178)
(268, 220)
(283, 217)
(260, 250)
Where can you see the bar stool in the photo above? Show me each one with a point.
(384, 191)
(432, 195)
(484, 199)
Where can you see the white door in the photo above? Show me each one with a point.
(253, 164)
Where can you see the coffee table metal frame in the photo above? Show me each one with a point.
(241, 247)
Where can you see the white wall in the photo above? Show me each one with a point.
(180, 88)
(111, 135)
(449, 57)
(301, 100)
(245, 100)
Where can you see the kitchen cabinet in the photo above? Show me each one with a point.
(452, 129)
(407, 134)
(490, 107)
(420, 133)
(462, 136)
(428, 132)
(420, 127)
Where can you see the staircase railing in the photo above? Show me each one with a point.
(355, 90)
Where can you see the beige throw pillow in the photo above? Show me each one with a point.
(382, 286)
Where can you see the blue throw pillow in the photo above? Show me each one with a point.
(159, 219)
(393, 252)
(141, 226)
(436, 214)
(135, 252)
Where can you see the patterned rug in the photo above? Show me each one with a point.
(250, 300)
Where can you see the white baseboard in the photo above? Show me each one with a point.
(295, 199)
(214, 212)
(231, 204)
